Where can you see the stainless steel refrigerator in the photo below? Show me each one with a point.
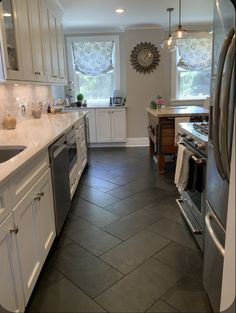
(222, 107)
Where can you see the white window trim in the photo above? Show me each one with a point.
(175, 100)
(71, 73)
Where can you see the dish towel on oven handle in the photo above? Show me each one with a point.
(182, 167)
(177, 126)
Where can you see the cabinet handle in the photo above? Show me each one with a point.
(37, 198)
(41, 194)
(14, 230)
(54, 76)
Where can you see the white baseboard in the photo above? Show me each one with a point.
(137, 142)
(131, 142)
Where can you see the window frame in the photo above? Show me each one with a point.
(175, 78)
(71, 73)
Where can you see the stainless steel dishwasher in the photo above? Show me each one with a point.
(59, 159)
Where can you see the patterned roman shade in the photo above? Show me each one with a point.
(93, 58)
(195, 53)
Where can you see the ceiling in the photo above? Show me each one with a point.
(100, 14)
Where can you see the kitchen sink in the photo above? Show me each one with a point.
(8, 152)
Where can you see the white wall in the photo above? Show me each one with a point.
(141, 89)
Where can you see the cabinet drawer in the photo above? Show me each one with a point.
(27, 176)
(74, 179)
(5, 202)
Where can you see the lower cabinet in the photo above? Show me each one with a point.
(11, 295)
(111, 125)
(35, 231)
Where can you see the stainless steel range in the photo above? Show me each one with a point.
(194, 136)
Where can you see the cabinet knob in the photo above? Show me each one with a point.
(14, 230)
(37, 198)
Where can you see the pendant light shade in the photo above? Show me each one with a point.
(169, 43)
(180, 31)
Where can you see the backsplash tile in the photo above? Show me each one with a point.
(13, 96)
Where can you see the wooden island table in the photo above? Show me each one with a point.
(161, 129)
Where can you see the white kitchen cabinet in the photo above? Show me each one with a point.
(61, 51)
(111, 125)
(36, 36)
(45, 214)
(11, 295)
(118, 125)
(55, 51)
(5, 202)
(32, 41)
(92, 125)
(103, 123)
(10, 40)
(33, 217)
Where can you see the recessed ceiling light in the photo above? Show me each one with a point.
(120, 11)
(6, 14)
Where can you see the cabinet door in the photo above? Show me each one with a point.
(54, 75)
(92, 125)
(28, 242)
(45, 214)
(5, 203)
(61, 51)
(10, 38)
(118, 125)
(11, 296)
(26, 44)
(34, 13)
(103, 123)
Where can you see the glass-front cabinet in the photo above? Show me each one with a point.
(10, 39)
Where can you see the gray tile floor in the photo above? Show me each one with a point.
(124, 247)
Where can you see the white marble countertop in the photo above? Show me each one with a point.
(96, 107)
(37, 135)
(179, 111)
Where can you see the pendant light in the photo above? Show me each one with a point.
(169, 43)
(180, 31)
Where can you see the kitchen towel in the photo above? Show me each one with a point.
(182, 168)
(177, 127)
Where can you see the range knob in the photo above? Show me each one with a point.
(189, 138)
(183, 135)
(201, 146)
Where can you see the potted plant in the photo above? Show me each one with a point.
(80, 99)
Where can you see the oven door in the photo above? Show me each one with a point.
(72, 149)
(192, 202)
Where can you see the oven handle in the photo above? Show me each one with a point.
(196, 159)
(208, 219)
(194, 230)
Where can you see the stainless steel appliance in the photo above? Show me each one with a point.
(59, 159)
(222, 107)
(72, 148)
(194, 137)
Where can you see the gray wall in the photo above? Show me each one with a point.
(141, 89)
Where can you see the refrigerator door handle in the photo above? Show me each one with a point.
(210, 216)
(216, 103)
(225, 108)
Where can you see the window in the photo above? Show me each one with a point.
(192, 63)
(94, 67)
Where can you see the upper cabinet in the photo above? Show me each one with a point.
(33, 41)
(10, 40)
(54, 44)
